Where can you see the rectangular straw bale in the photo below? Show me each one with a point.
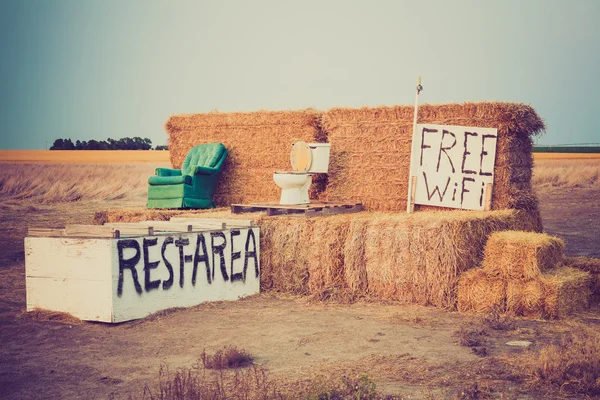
(555, 294)
(588, 264)
(354, 256)
(259, 143)
(521, 255)
(526, 298)
(370, 154)
(568, 291)
(390, 270)
(481, 293)
(326, 253)
(419, 257)
(285, 256)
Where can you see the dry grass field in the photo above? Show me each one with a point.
(64, 183)
(300, 348)
(566, 170)
(83, 156)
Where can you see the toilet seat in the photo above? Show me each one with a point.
(300, 156)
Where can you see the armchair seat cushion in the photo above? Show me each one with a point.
(170, 180)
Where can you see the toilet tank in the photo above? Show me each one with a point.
(320, 157)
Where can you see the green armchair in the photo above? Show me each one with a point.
(192, 186)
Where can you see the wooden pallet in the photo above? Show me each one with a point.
(305, 210)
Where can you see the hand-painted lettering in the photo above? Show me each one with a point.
(201, 258)
(423, 145)
(436, 188)
(464, 188)
(485, 153)
(181, 243)
(219, 249)
(230, 253)
(149, 284)
(481, 193)
(169, 282)
(251, 254)
(467, 152)
(129, 264)
(443, 158)
(445, 150)
(235, 255)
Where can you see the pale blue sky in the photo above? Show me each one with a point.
(84, 69)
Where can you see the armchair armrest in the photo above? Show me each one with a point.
(200, 170)
(167, 172)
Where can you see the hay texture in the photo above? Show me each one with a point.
(414, 258)
(479, 292)
(418, 257)
(521, 255)
(259, 144)
(588, 264)
(530, 268)
(559, 292)
(370, 151)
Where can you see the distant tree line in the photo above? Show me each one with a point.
(136, 143)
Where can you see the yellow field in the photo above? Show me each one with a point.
(567, 171)
(136, 156)
(83, 156)
(566, 156)
(55, 176)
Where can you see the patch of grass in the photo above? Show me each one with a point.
(226, 358)
(566, 173)
(473, 337)
(254, 383)
(198, 383)
(498, 322)
(572, 365)
(360, 388)
(64, 183)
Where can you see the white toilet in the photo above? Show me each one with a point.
(306, 159)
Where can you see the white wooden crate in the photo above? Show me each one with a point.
(116, 279)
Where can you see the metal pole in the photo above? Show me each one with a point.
(411, 181)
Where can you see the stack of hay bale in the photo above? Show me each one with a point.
(416, 258)
(370, 151)
(523, 273)
(371, 147)
(382, 252)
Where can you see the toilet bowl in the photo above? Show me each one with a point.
(306, 159)
(294, 187)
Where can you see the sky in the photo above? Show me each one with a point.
(94, 69)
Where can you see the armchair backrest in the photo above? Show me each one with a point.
(206, 155)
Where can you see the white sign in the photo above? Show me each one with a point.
(452, 166)
(115, 280)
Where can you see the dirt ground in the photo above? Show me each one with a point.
(573, 215)
(410, 351)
